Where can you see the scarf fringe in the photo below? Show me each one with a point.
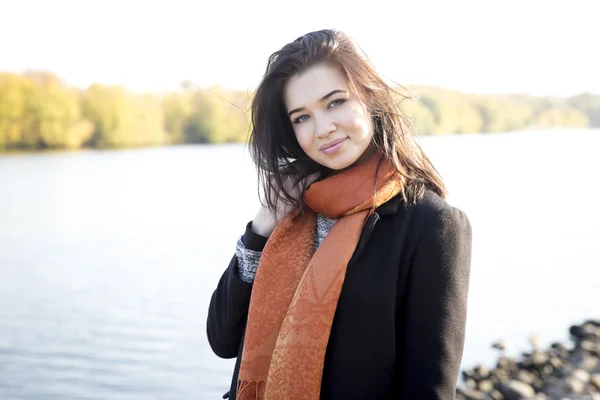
(250, 390)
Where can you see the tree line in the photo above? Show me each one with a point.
(39, 111)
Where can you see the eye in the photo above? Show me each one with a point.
(337, 103)
(300, 119)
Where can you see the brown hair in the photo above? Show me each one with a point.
(273, 145)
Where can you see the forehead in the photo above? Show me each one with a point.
(308, 87)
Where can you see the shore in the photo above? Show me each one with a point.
(557, 373)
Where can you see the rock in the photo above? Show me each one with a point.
(539, 396)
(556, 362)
(570, 388)
(596, 323)
(584, 360)
(595, 380)
(472, 394)
(525, 376)
(526, 360)
(589, 396)
(500, 345)
(534, 340)
(590, 346)
(482, 372)
(592, 331)
(547, 370)
(539, 358)
(558, 346)
(557, 390)
(575, 385)
(578, 332)
(506, 364)
(468, 373)
(470, 383)
(564, 371)
(558, 349)
(538, 384)
(500, 376)
(460, 394)
(557, 373)
(496, 395)
(485, 386)
(516, 390)
(582, 375)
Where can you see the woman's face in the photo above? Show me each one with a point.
(331, 124)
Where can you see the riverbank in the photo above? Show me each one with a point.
(559, 372)
(110, 259)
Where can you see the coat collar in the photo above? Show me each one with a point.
(391, 206)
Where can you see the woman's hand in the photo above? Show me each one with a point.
(266, 220)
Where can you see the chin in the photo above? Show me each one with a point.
(339, 164)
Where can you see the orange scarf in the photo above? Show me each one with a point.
(296, 290)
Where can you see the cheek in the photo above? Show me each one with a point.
(303, 136)
(358, 123)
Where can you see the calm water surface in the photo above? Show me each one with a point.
(108, 259)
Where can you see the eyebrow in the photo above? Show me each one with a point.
(295, 110)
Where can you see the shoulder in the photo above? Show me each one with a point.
(430, 213)
(432, 206)
(434, 216)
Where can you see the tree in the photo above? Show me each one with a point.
(588, 104)
(17, 112)
(562, 117)
(177, 110)
(58, 116)
(122, 119)
(217, 116)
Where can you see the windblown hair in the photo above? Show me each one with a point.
(273, 145)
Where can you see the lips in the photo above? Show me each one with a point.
(331, 144)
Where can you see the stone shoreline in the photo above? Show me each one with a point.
(557, 373)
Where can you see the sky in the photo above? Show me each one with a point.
(483, 46)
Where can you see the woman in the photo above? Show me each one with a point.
(352, 280)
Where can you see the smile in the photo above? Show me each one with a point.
(333, 147)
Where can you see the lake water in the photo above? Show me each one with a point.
(108, 258)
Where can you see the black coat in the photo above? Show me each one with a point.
(398, 331)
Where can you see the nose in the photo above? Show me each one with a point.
(324, 125)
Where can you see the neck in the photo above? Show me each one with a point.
(362, 159)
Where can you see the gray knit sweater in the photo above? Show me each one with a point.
(248, 259)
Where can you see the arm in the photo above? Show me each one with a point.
(229, 304)
(435, 306)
